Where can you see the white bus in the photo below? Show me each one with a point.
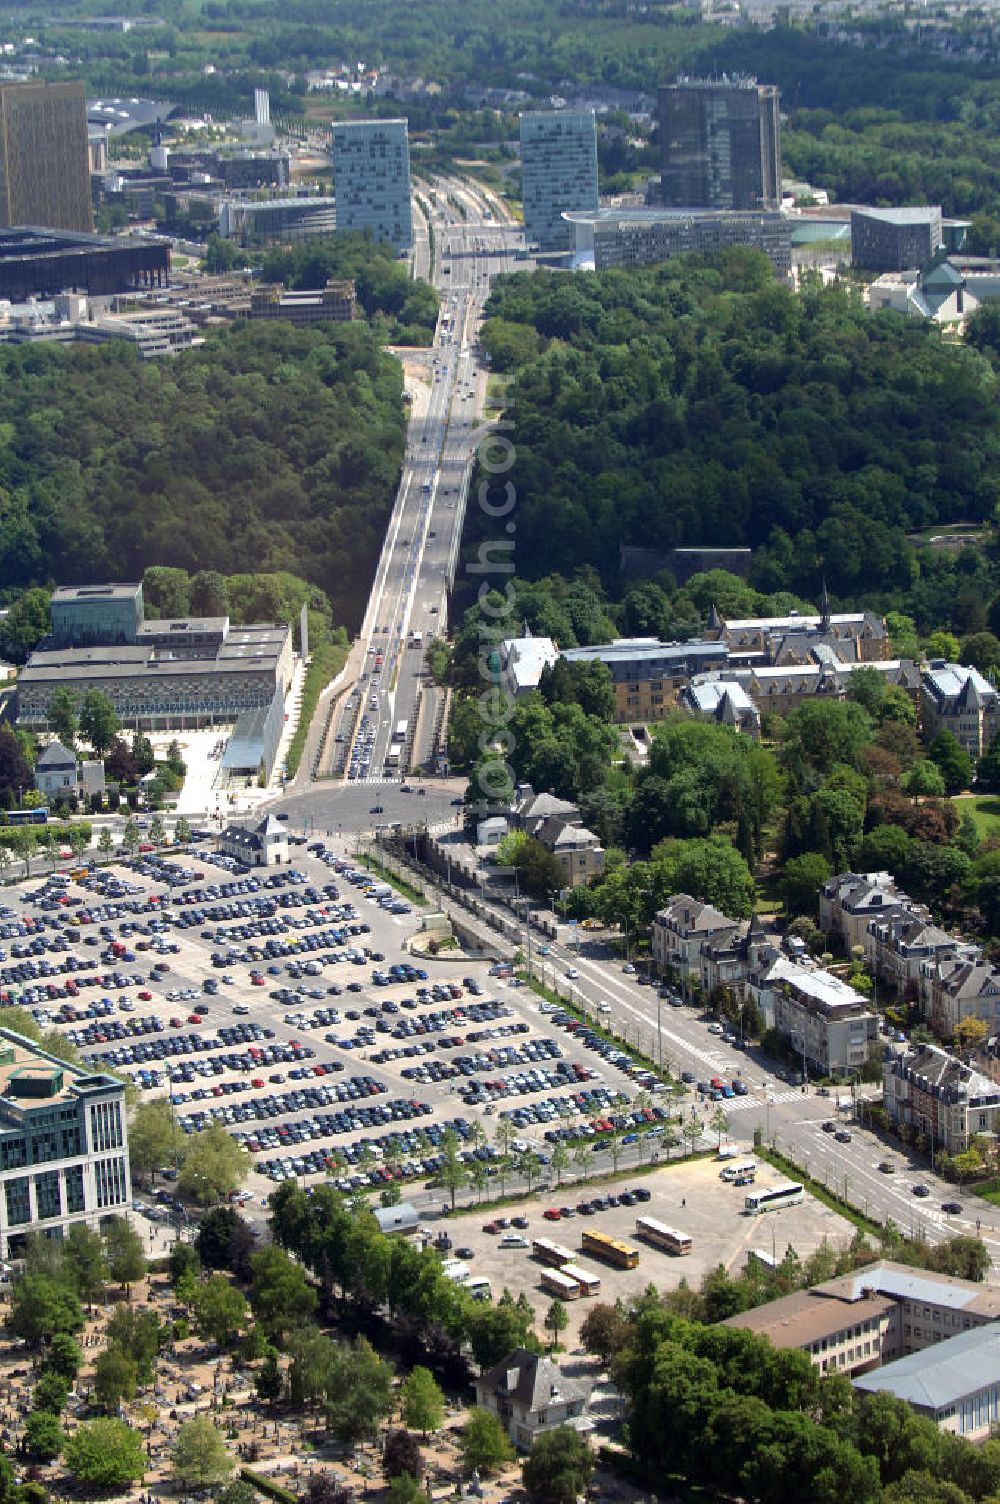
(392, 757)
(547, 1252)
(662, 1236)
(589, 1284)
(773, 1197)
(763, 1258)
(733, 1172)
(479, 1287)
(399, 735)
(555, 1282)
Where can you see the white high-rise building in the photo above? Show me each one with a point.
(558, 172)
(262, 107)
(371, 171)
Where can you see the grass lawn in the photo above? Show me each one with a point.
(324, 665)
(985, 810)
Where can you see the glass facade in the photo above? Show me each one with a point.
(18, 1205)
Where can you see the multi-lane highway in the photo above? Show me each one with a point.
(385, 724)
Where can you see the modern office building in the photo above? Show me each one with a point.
(183, 672)
(721, 144)
(255, 221)
(63, 1145)
(894, 240)
(371, 179)
(558, 173)
(38, 262)
(44, 156)
(634, 237)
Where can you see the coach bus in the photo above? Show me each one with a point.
(772, 1198)
(622, 1255)
(547, 1252)
(555, 1282)
(589, 1284)
(662, 1236)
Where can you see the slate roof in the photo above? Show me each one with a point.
(530, 1380)
(56, 755)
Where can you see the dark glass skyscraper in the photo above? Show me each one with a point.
(721, 144)
(44, 162)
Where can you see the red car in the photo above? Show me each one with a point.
(177, 1023)
(490, 1227)
(194, 1018)
(553, 1214)
(146, 997)
(257, 981)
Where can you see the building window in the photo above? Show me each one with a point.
(18, 1206)
(110, 1177)
(13, 1154)
(105, 1126)
(74, 1189)
(47, 1198)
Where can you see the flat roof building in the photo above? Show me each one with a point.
(44, 156)
(252, 220)
(36, 261)
(63, 1145)
(558, 173)
(186, 671)
(648, 674)
(894, 240)
(371, 179)
(635, 237)
(720, 141)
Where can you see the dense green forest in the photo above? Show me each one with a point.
(695, 403)
(267, 449)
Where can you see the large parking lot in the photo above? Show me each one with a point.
(688, 1196)
(286, 1005)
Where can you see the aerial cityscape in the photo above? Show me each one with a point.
(500, 752)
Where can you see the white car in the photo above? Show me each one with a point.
(629, 968)
(572, 974)
(604, 1007)
(240, 1008)
(715, 1028)
(513, 1240)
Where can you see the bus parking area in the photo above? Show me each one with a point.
(689, 1197)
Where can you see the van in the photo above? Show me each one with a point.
(728, 1151)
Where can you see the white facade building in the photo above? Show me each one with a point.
(63, 1145)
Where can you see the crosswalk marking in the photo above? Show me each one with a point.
(740, 1104)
